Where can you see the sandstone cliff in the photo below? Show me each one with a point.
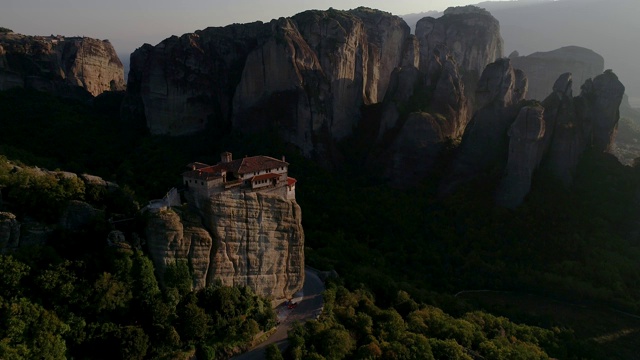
(251, 239)
(472, 34)
(543, 68)
(306, 77)
(510, 139)
(58, 64)
(423, 111)
(484, 145)
(587, 121)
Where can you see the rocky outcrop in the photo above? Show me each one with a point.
(422, 112)
(34, 233)
(92, 180)
(15, 234)
(588, 121)
(306, 77)
(543, 68)
(526, 148)
(63, 65)
(484, 145)
(78, 214)
(251, 239)
(511, 139)
(9, 232)
(172, 237)
(472, 34)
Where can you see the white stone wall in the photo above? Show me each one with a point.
(291, 192)
(282, 171)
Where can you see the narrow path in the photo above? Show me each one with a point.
(309, 306)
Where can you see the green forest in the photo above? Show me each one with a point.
(409, 262)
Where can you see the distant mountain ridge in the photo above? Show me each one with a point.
(606, 27)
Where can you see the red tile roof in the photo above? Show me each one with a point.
(239, 166)
(203, 174)
(264, 177)
(197, 165)
(255, 164)
(291, 181)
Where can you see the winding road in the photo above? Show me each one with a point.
(309, 307)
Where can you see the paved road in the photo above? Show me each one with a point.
(309, 306)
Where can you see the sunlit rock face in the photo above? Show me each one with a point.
(305, 76)
(59, 64)
(544, 68)
(241, 239)
(471, 33)
(309, 77)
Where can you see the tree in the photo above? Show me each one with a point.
(133, 342)
(29, 331)
(145, 282)
(336, 344)
(273, 353)
(12, 272)
(110, 293)
(192, 322)
(447, 349)
(178, 275)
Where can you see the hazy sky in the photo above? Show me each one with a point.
(129, 24)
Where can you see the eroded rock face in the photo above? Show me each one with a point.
(421, 135)
(416, 148)
(526, 147)
(60, 64)
(348, 60)
(603, 97)
(185, 82)
(551, 137)
(484, 145)
(472, 34)
(9, 232)
(77, 215)
(171, 238)
(569, 141)
(304, 76)
(251, 239)
(544, 68)
(587, 121)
